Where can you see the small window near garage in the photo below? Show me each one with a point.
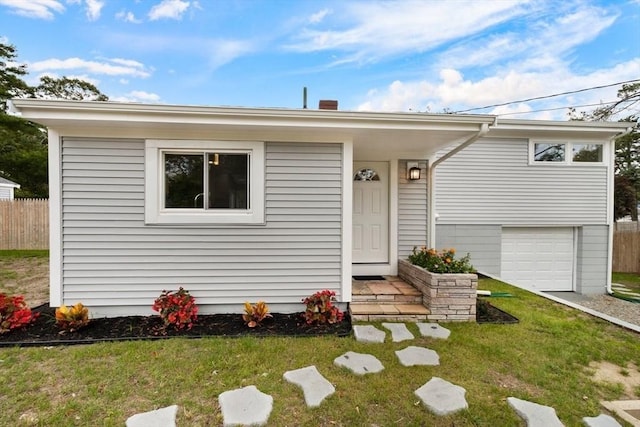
(587, 153)
(565, 152)
(204, 182)
(545, 152)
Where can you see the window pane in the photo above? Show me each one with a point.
(228, 181)
(587, 152)
(183, 180)
(549, 152)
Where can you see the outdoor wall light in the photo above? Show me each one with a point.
(413, 171)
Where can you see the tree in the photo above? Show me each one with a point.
(11, 83)
(23, 144)
(68, 88)
(627, 161)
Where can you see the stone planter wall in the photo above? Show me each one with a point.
(449, 297)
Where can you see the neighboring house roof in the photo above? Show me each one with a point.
(6, 183)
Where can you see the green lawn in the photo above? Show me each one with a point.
(630, 280)
(544, 358)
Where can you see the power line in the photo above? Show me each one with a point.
(558, 108)
(547, 96)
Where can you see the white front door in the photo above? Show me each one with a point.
(370, 212)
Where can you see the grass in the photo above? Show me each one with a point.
(544, 358)
(630, 280)
(15, 254)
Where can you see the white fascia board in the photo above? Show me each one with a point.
(57, 112)
(526, 128)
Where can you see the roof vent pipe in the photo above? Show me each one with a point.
(327, 104)
(304, 97)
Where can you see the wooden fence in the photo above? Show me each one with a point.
(24, 224)
(626, 247)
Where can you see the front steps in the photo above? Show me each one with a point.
(386, 300)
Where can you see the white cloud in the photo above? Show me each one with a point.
(40, 9)
(107, 67)
(94, 7)
(168, 9)
(137, 96)
(455, 92)
(224, 51)
(128, 17)
(390, 28)
(319, 16)
(535, 47)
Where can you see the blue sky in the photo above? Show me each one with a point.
(405, 55)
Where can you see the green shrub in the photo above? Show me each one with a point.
(440, 262)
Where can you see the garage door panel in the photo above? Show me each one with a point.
(538, 258)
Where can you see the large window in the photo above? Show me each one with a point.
(553, 152)
(207, 180)
(204, 182)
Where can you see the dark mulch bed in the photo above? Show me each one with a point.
(43, 332)
(487, 313)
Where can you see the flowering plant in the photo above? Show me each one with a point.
(72, 318)
(320, 308)
(14, 313)
(440, 262)
(177, 308)
(255, 314)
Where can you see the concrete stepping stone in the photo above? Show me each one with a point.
(359, 363)
(433, 330)
(399, 331)
(163, 417)
(245, 406)
(533, 414)
(601, 420)
(412, 356)
(441, 397)
(314, 386)
(368, 333)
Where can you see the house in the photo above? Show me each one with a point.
(7, 188)
(247, 204)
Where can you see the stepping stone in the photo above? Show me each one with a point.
(433, 330)
(441, 397)
(368, 333)
(535, 415)
(164, 417)
(314, 386)
(359, 363)
(412, 356)
(399, 331)
(245, 406)
(601, 420)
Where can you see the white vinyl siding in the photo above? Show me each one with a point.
(412, 210)
(591, 269)
(6, 193)
(482, 243)
(111, 258)
(492, 182)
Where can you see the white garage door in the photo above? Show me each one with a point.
(538, 258)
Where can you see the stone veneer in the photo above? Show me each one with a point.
(449, 297)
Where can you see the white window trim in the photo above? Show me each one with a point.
(568, 153)
(155, 214)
